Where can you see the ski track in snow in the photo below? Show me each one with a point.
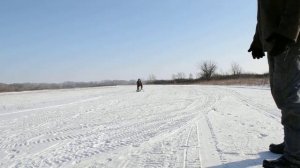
(165, 126)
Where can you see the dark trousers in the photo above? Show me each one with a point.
(138, 87)
(285, 87)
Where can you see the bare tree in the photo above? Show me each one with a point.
(178, 76)
(236, 69)
(181, 75)
(152, 77)
(207, 69)
(191, 76)
(174, 76)
(198, 75)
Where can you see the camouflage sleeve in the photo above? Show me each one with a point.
(289, 26)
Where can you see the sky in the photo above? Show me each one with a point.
(75, 40)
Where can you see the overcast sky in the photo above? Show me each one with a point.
(76, 40)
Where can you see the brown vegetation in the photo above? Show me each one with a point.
(241, 79)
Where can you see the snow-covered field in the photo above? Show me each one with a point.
(116, 127)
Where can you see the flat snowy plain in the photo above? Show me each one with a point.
(116, 127)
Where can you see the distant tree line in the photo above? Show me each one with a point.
(66, 85)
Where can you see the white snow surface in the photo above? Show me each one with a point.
(117, 127)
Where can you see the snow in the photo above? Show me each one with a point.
(116, 127)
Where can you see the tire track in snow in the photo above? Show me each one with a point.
(122, 139)
(186, 148)
(51, 107)
(191, 157)
(207, 103)
(254, 105)
(206, 123)
(76, 144)
(199, 145)
(191, 154)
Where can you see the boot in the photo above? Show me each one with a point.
(277, 148)
(282, 162)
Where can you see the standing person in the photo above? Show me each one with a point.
(277, 33)
(139, 84)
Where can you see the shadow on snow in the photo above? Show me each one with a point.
(249, 162)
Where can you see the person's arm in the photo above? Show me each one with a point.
(256, 47)
(289, 26)
(256, 39)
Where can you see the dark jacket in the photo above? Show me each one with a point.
(139, 83)
(277, 16)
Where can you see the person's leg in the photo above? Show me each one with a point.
(291, 110)
(274, 148)
(285, 86)
(292, 147)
